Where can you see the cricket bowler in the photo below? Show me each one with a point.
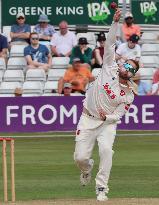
(107, 100)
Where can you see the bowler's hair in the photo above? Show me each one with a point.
(135, 62)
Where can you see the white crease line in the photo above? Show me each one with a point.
(67, 135)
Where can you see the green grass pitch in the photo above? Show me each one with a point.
(45, 168)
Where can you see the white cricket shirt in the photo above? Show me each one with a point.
(106, 94)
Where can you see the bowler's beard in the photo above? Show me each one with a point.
(124, 77)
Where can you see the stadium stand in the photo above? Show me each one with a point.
(36, 75)
(150, 61)
(52, 94)
(13, 76)
(9, 87)
(149, 38)
(17, 50)
(55, 74)
(60, 62)
(17, 63)
(150, 49)
(50, 87)
(146, 73)
(32, 88)
(1, 75)
(2, 64)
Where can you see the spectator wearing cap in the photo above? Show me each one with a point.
(20, 31)
(129, 50)
(98, 53)
(3, 47)
(78, 75)
(37, 55)
(67, 89)
(44, 29)
(83, 52)
(128, 28)
(63, 41)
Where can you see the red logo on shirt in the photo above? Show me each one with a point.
(122, 93)
(127, 106)
(109, 91)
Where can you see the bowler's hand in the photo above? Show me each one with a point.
(117, 15)
(102, 114)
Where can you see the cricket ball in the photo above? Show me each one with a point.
(113, 5)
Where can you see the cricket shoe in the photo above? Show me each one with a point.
(85, 178)
(101, 194)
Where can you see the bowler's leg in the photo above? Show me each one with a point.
(105, 143)
(85, 141)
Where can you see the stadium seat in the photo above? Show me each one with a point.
(14, 75)
(17, 63)
(55, 74)
(77, 94)
(6, 32)
(1, 75)
(17, 50)
(2, 64)
(7, 95)
(148, 37)
(9, 87)
(60, 62)
(35, 75)
(33, 87)
(150, 61)
(150, 49)
(31, 94)
(96, 71)
(146, 73)
(52, 94)
(50, 86)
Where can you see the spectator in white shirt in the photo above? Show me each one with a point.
(129, 50)
(63, 41)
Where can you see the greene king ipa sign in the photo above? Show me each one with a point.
(74, 11)
(145, 12)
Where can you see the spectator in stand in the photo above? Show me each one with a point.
(18, 92)
(44, 30)
(155, 85)
(78, 75)
(129, 50)
(3, 47)
(37, 55)
(63, 41)
(128, 28)
(143, 87)
(97, 59)
(83, 52)
(20, 31)
(67, 89)
(156, 76)
(155, 89)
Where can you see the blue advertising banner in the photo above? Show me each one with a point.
(43, 114)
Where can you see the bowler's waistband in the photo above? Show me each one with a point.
(85, 111)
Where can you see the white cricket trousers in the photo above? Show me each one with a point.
(88, 131)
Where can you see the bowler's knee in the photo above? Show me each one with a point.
(106, 150)
(80, 158)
